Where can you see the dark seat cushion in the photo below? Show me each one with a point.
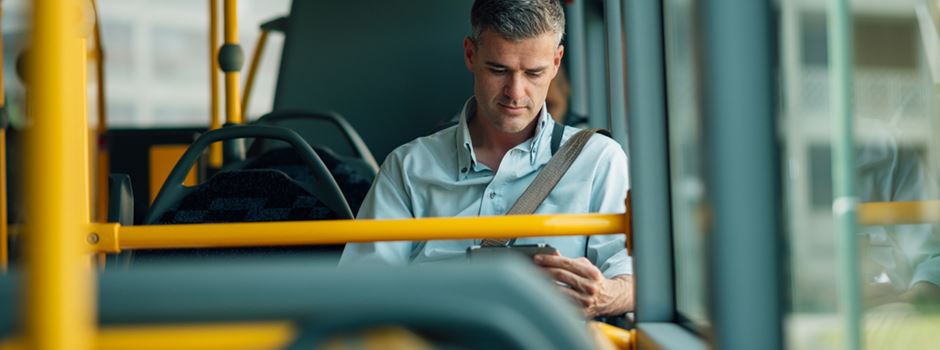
(251, 195)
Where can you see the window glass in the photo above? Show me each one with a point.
(685, 159)
(896, 172)
(157, 60)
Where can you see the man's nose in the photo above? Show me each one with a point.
(515, 88)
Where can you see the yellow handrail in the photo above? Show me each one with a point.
(232, 105)
(215, 122)
(253, 69)
(58, 279)
(896, 213)
(114, 237)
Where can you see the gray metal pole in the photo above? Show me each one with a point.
(576, 52)
(844, 201)
(743, 174)
(618, 113)
(649, 162)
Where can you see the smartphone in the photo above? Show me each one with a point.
(527, 250)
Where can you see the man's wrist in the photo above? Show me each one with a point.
(617, 296)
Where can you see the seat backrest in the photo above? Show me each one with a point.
(249, 195)
(120, 199)
(353, 175)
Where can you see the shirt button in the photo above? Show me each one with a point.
(492, 195)
(464, 170)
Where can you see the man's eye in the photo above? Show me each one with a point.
(498, 71)
(534, 74)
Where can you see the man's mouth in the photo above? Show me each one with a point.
(513, 108)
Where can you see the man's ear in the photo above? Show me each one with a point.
(468, 50)
(558, 55)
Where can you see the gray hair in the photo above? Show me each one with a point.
(517, 19)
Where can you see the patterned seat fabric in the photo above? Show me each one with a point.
(253, 195)
(352, 175)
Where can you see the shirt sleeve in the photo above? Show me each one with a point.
(387, 199)
(927, 271)
(609, 191)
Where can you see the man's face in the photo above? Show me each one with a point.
(511, 78)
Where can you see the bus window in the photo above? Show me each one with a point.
(896, 265)
(157, 60)
(686, 178)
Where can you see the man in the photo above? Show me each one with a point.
(483, 164)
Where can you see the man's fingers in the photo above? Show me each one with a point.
(574, 281)
(578, 297)
(581, 266)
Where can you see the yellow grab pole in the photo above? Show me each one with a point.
(103, 168)
(58, 282)
(4, 231)
(114, 237)
(253, 69)
(232, 105)
(102, 145)
(215, 122)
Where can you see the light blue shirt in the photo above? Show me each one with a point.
(439, 176)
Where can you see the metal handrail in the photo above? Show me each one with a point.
(112, 237)
(233, 112)
(215, 122)
(60, 279)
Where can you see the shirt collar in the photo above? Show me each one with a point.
(538, 147)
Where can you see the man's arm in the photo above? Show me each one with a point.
(598, 295)
(604, 276)
(387, 199)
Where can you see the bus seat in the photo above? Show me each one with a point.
(120, 199)
(353, 175)
(120, 210)
(504, 303)
(247, 195)
(251, 195)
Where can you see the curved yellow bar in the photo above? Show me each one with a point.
(608, 336)
(114, 237)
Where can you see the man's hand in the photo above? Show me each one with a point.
(597, 295)
(922, 293)
(877, 294)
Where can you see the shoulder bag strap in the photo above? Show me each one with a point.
(546, 180)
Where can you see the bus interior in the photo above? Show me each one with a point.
(185, 175)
